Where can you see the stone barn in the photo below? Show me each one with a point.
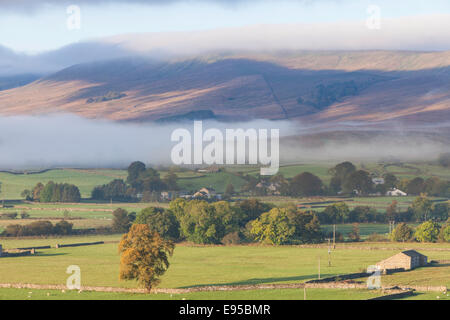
(406, 260)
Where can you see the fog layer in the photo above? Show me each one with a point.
(69, 141)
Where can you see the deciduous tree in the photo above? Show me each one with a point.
(427, 232)
(144, 256)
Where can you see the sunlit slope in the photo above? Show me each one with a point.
(317, 86)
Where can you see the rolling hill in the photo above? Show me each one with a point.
(319, 87)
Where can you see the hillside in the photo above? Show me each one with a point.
(320, 87)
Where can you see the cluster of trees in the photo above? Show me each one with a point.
(220, 222)
(116, 190)
(325, 95)
(14, 215)
(422, 209)
(287, 225)
(53, 192)
(432, 186)
(38, 228)
(202, 222)
(140, 180)
(428, 231)
(346, 180)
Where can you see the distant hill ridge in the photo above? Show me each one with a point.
(316, 86)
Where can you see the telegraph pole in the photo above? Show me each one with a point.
(319, 268)
(329, 252)
(334, 236)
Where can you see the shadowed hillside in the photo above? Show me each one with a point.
(318, 87)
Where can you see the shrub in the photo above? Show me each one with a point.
(375, 237)
(354, 234)
(402, 233)
(231, 238)
(444, 235)
(39, 228)
(63, 228)
(9, 216)
(121, 221)
(24, 215)
(427, 232)
(13, 230)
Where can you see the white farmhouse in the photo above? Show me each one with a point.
(378, 181)
(396, 193)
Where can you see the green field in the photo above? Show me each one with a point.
(193, 265)
(284, 294)
(211, 265)
(86, 180)
(190, 180)
(217, 181)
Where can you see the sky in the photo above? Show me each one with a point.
(34, 26)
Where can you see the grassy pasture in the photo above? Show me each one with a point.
(217, 181)
(209, 265)
(86, 223)
(284, 294)
(365, 229)
(86, 180)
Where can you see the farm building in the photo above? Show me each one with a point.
(406, 260)
(212, 169)
(396, 193)
(378, 181)
(205, 193)
(168, 195)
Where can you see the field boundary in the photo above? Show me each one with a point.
(364, 247)
(334, 285)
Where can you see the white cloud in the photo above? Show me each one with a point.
(429, 32)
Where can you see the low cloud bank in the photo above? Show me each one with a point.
(69, 141)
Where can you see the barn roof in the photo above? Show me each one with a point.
(413, 253)
(409, 253)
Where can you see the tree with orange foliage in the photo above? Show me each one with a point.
(144, 256)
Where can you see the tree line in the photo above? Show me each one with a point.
(421, 209)
(201, 222)
(345, 180)
(428, 231)
(140, 181)
(53, 192)
(38, 228)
